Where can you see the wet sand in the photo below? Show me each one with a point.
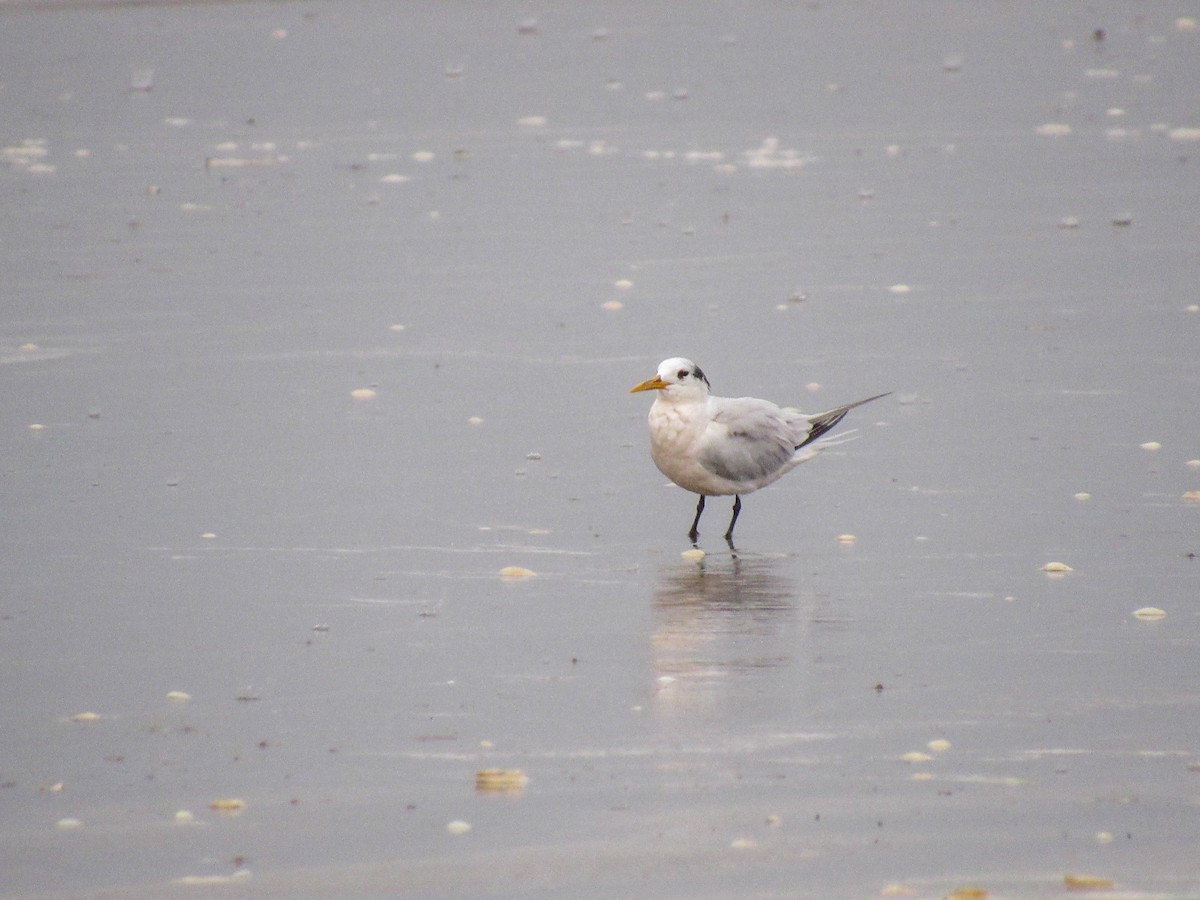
(319, 315)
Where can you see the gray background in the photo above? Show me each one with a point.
(198, 274)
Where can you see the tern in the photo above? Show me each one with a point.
(717, 446)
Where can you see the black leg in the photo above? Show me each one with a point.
(695, 533)
(737, 508)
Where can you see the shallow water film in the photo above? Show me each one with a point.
(334, 560)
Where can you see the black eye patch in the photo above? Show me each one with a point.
(681, 374)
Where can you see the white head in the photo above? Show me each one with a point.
(679, 379)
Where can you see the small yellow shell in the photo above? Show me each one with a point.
(1087, 883)
(516, 573)
(508, 781)
(1149, 613)
(208, 880)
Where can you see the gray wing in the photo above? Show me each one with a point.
(746, 440)
(820, 423)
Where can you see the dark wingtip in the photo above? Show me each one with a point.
(823, 422)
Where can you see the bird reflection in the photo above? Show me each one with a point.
(717, 622)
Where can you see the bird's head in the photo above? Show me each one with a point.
(678, 379)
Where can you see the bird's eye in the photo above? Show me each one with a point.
(682, 374)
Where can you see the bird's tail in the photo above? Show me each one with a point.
(823, 422)
(812, 448)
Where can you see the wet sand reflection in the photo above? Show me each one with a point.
(716, 619)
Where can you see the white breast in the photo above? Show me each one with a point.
(676, 430)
